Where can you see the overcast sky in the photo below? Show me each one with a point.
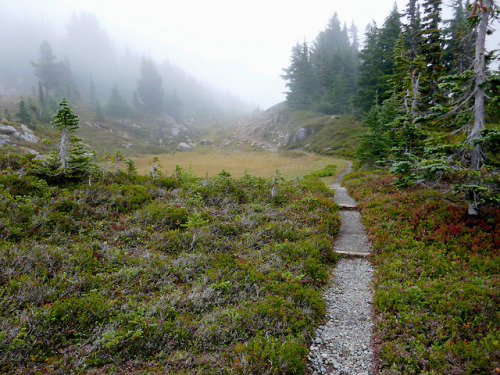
(239, 45)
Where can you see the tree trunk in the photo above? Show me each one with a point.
(63, 148)
(483, 7)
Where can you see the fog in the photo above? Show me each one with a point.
(220, 51)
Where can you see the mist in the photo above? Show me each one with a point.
(94, 61)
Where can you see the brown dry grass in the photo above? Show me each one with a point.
(204, 160)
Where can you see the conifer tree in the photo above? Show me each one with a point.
(412, 29)
(46, 69)
(149, 89)
(69, 159)
(301, 78)
(459, 41)
(369, 71)
(174, 106)
(431, 49)
(23, 114)
(66, 123)
(117, 105)
(377, 62)
(8, 117)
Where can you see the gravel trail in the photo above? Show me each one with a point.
(343, 344)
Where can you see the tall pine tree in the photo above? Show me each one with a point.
(149, 89)
(302, 82)
(377, 65)
(431, 50)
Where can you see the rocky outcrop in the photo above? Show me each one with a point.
(300, 135)
(12, 135)
(178, 129)
(183, 146)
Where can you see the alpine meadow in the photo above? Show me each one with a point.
(155, 220)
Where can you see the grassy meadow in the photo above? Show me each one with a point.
(206, 161)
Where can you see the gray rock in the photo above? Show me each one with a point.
(287, 139)
(29, 137)
(7, 129)
(184, 147)
(4, 138)
(206, 142)
(300, 135)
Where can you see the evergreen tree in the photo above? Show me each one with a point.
(431, 50)
(8, 117)
(46, 69)
(70, 157)
(354, 37)
(369, 72)
(23, 114)
(377, 63)
(174, 106)
(67, 86)
(335, 62)
(117, 105)
(33, 110)
(412, 29)
(149, 89)
(387, 40)
(459, 42)
(301, 79)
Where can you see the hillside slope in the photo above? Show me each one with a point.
(323, 134)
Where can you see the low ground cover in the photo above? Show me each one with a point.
(176, 274)
(436, 279)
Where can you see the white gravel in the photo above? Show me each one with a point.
(343, 344)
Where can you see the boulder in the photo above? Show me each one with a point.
(183, 146)
(7, 129)
(300, 135)
(29, 137)
(206, 142)
(287, 139)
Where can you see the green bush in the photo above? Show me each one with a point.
(327, 170)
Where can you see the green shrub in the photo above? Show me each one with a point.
(327, 170)
(163, 216)
(262, 355)
(23, 186)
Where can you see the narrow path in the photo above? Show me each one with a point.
(343, 344)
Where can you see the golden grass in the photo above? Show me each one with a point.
(204, 160)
